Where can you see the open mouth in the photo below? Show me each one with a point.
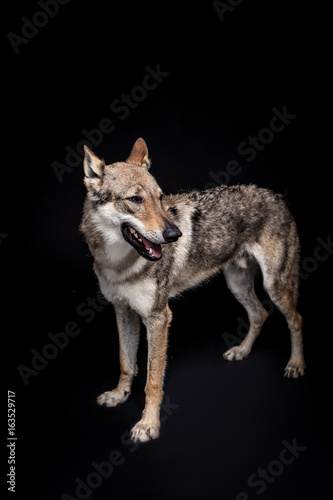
(147, 249)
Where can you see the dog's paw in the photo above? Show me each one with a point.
(294, 369)
(235, 353)
(113, 398)
(145, 431)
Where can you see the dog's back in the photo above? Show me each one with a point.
(228, 223)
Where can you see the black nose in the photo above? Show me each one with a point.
(171, 234)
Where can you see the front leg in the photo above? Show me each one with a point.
(128, 323)
(157, 331)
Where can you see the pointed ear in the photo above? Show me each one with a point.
(93, 169)
(139, 154)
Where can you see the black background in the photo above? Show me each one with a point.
(222, 421)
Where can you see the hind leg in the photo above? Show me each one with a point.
(296, 364)
(239, 279)
(284, 299)
(281, 283)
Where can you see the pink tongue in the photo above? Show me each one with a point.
(155, 248)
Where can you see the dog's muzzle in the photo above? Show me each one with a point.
(146, 248)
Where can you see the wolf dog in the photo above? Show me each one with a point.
(149, 247)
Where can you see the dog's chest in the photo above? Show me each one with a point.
(138, 292)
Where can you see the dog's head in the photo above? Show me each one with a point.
(126, 197)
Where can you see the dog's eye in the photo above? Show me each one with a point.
(135, 199)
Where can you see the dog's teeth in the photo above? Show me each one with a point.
(135, 234)
(150, 251)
